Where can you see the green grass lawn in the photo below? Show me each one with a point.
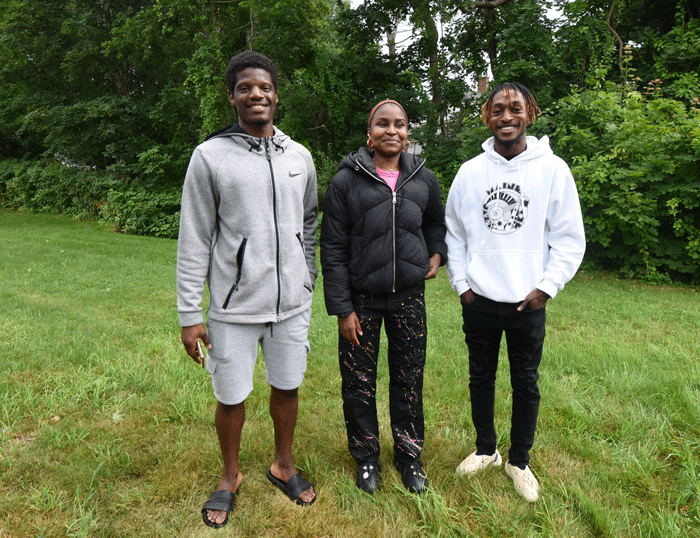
(107, 427)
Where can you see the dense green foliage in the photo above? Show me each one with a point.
(101, 103)
(637, 162)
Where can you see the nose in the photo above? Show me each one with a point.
(506, 115)
(256, 92)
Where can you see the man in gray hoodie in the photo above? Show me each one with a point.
(248, 228)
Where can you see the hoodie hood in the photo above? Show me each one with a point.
(535, 148)
(279, 142)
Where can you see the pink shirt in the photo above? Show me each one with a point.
(390, 177)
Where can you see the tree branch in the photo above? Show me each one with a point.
(487, 4)
(612, 30)
(621, 44)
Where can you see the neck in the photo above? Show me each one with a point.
(510, 150)
(257, 130)
(390, 164)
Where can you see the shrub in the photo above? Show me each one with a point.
(40, 186)
(143, 212)
(637, 166)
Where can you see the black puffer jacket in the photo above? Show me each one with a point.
(374, 240)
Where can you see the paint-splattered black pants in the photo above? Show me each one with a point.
(403, 314)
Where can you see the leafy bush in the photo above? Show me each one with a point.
(637, 166)
(40, 186)
(143, 212)
(53, 186)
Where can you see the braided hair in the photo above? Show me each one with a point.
(533, 110)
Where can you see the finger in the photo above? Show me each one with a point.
(351, 337)
(358, 329)
(350, 333)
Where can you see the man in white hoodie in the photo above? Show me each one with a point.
(514, 237)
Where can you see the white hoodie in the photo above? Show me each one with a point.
(513, 226)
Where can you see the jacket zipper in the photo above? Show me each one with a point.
(393, 237)
(239, 262)
(303, 251)
(277, 233)
(393, 212)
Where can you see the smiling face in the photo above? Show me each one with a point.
(388, 131)
(508, 122)
(255, 99)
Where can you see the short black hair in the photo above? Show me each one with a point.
(532, 109)
(249, 58)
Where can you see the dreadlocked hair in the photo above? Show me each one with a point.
(532, 109)
(249, 58)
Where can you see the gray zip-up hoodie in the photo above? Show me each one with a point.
(248, 228)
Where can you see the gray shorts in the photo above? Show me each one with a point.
(231, 360)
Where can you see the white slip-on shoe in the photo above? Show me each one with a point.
(524, 481)
(473, 463)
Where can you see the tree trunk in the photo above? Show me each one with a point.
(432, 35)
(492, 44)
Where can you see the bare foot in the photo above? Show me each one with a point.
(216, 516)
(285, 473)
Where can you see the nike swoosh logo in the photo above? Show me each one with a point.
(292, 174)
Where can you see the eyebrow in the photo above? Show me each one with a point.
(511, 104)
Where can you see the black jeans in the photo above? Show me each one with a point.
(403, 314)
(484, 323)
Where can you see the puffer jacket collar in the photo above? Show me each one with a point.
(361, 162)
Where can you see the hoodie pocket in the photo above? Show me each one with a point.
(307, 280)
(239, 262)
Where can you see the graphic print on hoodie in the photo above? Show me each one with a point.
(505, 208)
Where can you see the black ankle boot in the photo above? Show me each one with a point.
(412, 475)
(368, 478)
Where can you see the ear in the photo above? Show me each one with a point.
(230, 98)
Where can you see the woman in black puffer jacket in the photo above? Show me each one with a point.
(382, 236)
